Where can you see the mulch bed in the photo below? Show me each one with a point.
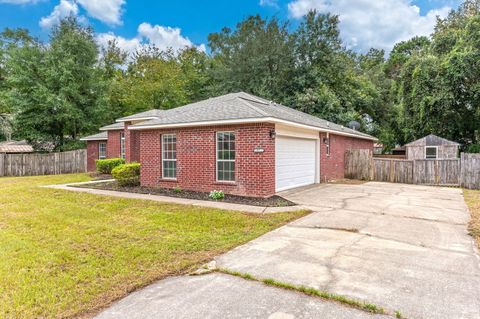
(273, 201)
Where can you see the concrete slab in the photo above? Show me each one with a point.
(223, 296)
(403, 247)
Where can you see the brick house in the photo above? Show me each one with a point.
(238, 143)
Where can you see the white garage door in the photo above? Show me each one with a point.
(294, 162)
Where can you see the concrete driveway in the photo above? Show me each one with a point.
(402, 247)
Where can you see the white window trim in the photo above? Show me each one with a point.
(105, 155)
(169, 160)
(224, 160)
(436, 152)
(122, 146)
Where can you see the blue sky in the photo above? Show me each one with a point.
(363, 23)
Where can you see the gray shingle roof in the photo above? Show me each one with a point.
(114, 126)
(154, 113)
(432, 140)
(241, 106)
(95, 137)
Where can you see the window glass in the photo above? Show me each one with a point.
(122, 145)
(226, 156)
(102, 150)
(169, 156)
(430, 152)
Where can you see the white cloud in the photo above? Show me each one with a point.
(64, 9)
(160, 36)
(380, 24)
(128, 45)
(108, 11)
(19, 1)
(269, 3)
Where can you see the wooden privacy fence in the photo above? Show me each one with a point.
(463, 171)
(43, 164)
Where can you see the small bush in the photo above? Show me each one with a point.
(177, 189)
(106, 166)
(216, 195)
(127, 174)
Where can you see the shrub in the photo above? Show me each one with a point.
(177, 189)
(127, 174)
(216, 195)
(105, 166)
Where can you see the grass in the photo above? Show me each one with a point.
(368, 307)
(472, 198)
(68, 254)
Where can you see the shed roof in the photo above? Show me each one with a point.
(238, 108)
(431, 140)
(15, 147)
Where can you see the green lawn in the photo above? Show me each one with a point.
(68, 254)
(472, 198)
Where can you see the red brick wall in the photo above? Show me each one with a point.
(333, 166)
(132, 144)
(196, 160)
(113, 144)
(92, 155)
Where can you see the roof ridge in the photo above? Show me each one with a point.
(257, 109)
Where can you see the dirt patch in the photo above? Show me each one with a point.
(273, 201)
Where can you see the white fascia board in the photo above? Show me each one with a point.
(111, 129)
(94, 139)
(247, 121)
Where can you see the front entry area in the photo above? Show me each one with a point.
(295, 162)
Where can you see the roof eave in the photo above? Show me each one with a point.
(247, 120)
(121, 120)
(94, 139)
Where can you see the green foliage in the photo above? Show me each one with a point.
(127, 174)
(473, 148)
(177, 189)
(105, 166)
(438, 89)
(216, 195)
(55, 90)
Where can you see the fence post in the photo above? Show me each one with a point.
(2, 164)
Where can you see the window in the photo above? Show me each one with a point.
(122, 145)
(225, 156)
(102, 150)
(327, 144)
(431, 152)
(169, 156)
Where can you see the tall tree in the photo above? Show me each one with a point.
(439, 89)
(255, 57)
(57, 88)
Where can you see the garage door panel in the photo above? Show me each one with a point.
(295, 162)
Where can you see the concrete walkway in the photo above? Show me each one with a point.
(174, 200)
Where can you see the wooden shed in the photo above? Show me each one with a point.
(431, 147)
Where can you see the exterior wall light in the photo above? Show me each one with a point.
(273, 134)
